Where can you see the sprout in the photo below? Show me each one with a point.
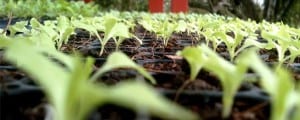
(231, 76)
(64, 29)
(73, 96)
(279, 85)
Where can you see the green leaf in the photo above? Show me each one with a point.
(87, 26)
(18, 53)
(18, 27)
(283, 99)
(34, 23)
(294, 53)
(231, 76)
(195, 58)
(123, 32)
(120, 60)
(277, 84)
(65, 29)
(73, 96)
(252, 42)
(147, 25)
(165, 30)
(181, 26)
(110, 30)
(281, 40)
(139, 96)
(64, 91)
(249, 57)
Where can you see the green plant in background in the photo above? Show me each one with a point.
(89, 24)
(283, 42)
(294, 49)
(39, 35)
(115, 30)
(53, 34)
(165, 31)
(149, 23)
(206, 27)
(58, 30)
(46, 8)
(196, 59)
(70, 92)
(65, 29)
(18, 27)
(182, 26)
(110, 25)
(210, 38)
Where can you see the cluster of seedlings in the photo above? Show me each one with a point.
(212, 65)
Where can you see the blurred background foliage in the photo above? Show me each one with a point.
(287, 11)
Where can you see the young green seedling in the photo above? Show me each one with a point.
(150, 24)
(230, 75)
(211, 38)
(73, 96)
(87, 24)
(64, 29)
(43, 35)
(115, 30)
(181, 26)
(121, 32)
(111, 27)
(206, 27)
(281, 40)
(166, 30)
(294, 51)
(279, 85)
(195, 58)
(18, 27)
(47, 8)
(147, 23)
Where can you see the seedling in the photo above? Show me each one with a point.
(68, 88)
(112, 28)
(166, 30)
(18, 27)
(64, 29)
(49, 8)
(279, 85)
(231, 76)
(117, 31)
(281, 40)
